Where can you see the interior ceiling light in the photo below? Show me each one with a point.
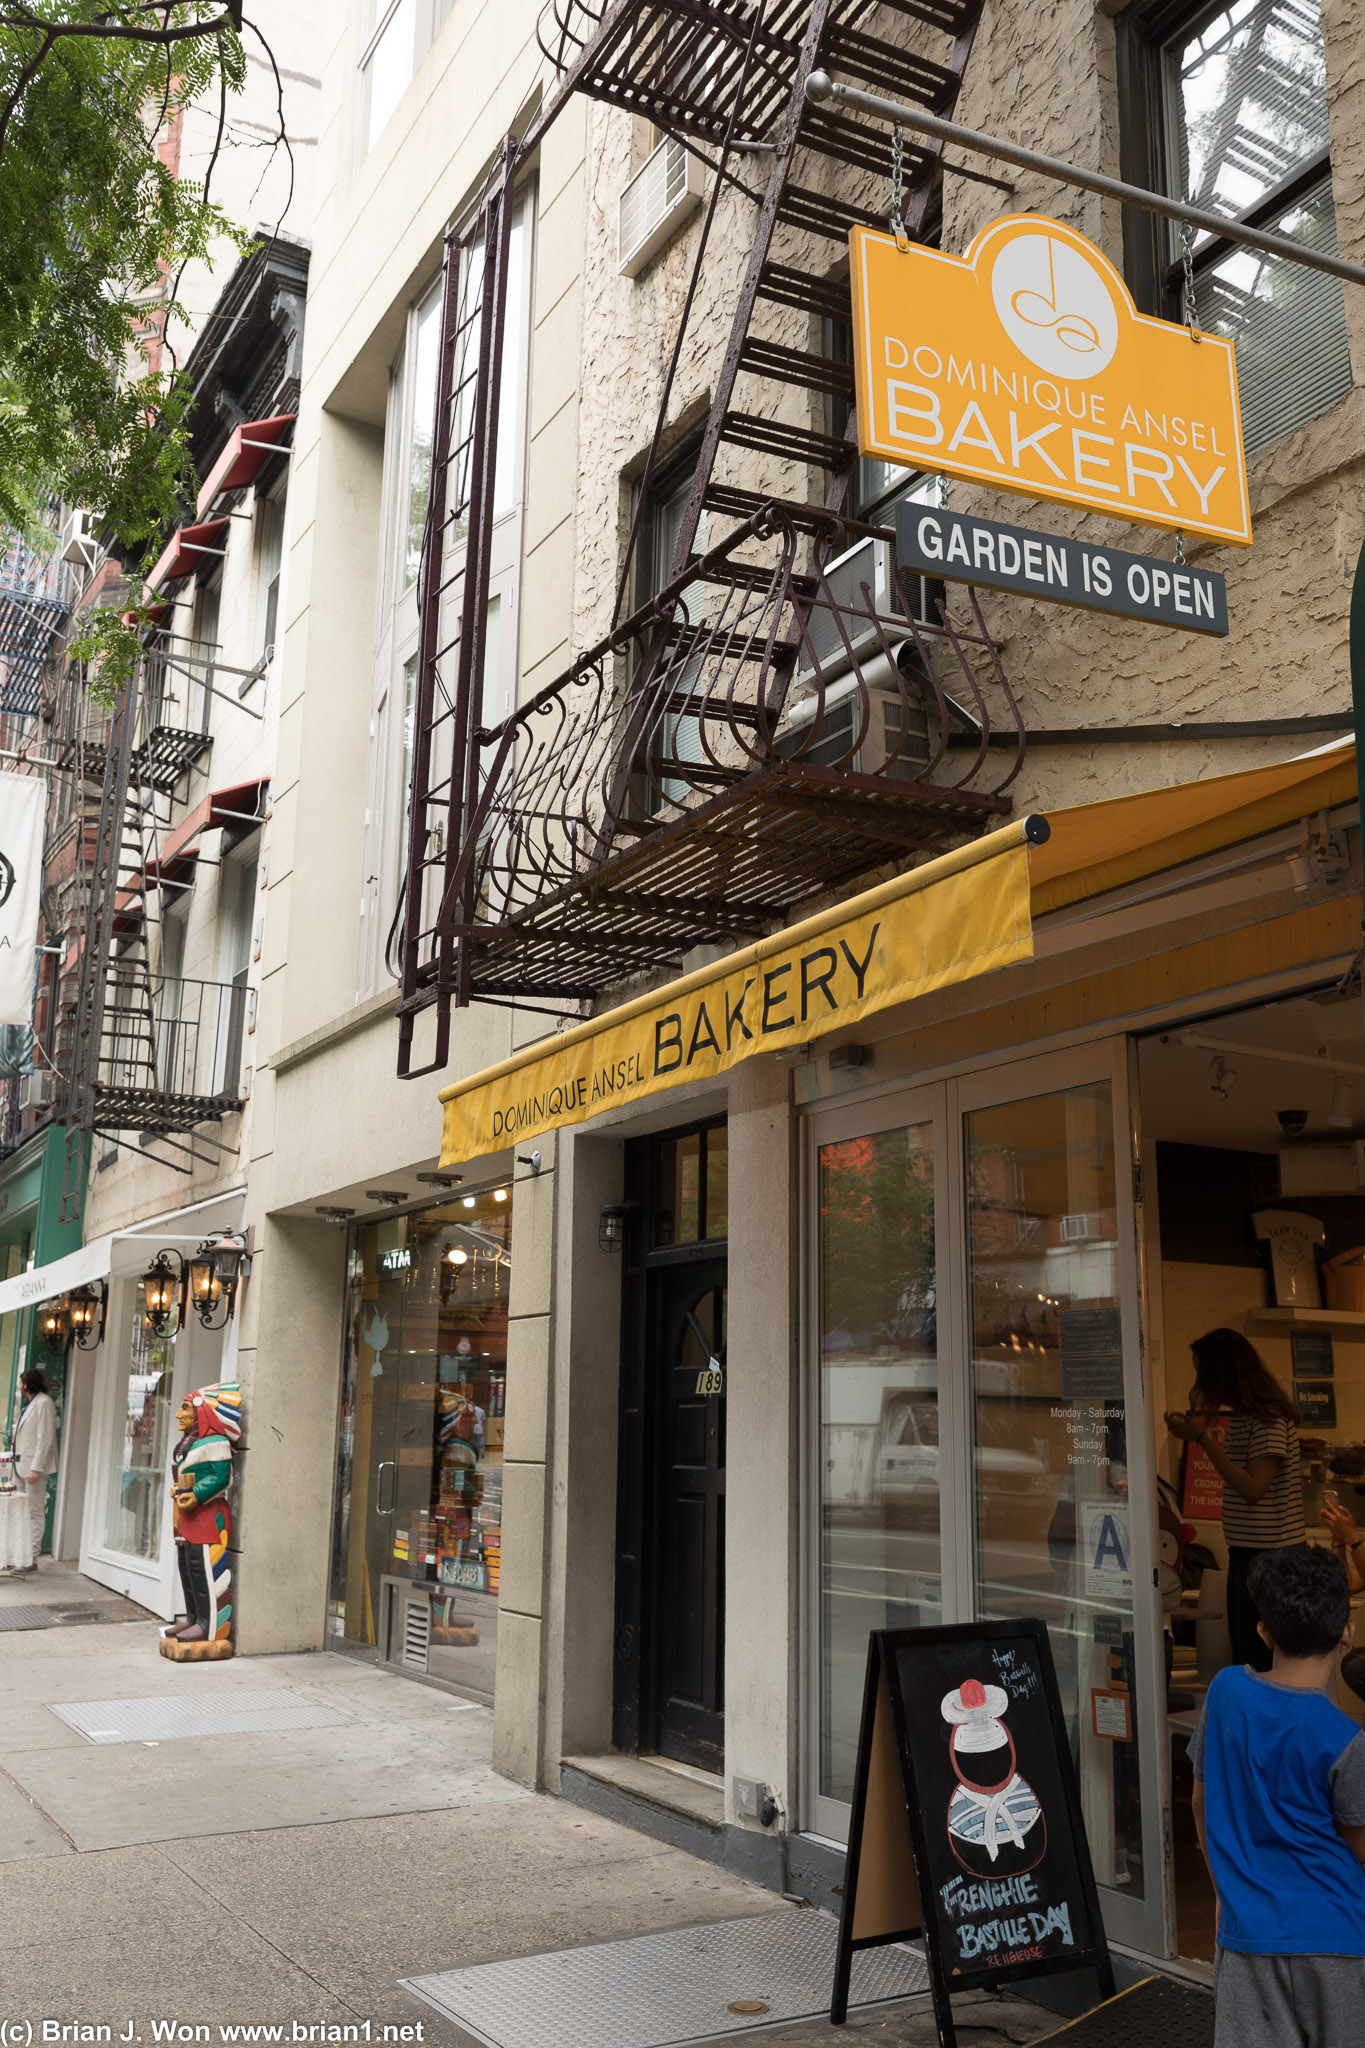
(1340, 1113)
(499, 1194)
(468, 1201)
(1222, 1077)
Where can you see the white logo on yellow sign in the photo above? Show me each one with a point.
(1055, 306)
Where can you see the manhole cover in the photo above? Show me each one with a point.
(163, 1719)
(663, 1990)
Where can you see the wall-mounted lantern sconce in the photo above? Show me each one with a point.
(611, 1226)
(52, 1323)
(214, 1275)
(88, 1306)
(162, 1293)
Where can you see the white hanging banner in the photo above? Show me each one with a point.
(22, 802)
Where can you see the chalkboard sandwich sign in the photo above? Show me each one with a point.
(966, 1826)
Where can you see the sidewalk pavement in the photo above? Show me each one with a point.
(297, 1875)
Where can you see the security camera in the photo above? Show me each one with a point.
(1293, 1122)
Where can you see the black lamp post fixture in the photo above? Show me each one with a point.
(611, 1226)
(52, 1325)
(214, 1275)
(87, 1308)
(162, 1292)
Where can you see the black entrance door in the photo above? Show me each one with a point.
(688, 1622)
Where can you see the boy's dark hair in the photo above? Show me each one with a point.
(1303, 1596)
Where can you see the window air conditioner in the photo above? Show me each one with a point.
(870, 562)
(842, 715)
(658, 199)
(1082, 1227)
(35, 1089)
(79, 545)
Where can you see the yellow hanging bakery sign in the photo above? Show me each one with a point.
(1025, 365)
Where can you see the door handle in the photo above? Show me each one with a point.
(388, 1465)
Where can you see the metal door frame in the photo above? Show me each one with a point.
(1141, 1924)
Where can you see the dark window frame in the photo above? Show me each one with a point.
(1154, 274)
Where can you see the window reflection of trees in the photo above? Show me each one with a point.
(877, 1234)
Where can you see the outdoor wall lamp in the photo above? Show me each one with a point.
(213, 1276)
(162, 1293)
(88, 1306)
(611, 1226)
(52, 1322)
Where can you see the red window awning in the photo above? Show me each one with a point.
(238, 804)
(187, 550)
(249, 448)
(157, 615)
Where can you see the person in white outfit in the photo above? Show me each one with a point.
(35, 1449)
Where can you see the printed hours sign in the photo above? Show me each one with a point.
(1025, 365)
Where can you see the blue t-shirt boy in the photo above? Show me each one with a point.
(1280, 1766)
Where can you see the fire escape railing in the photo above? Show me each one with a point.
(149, 1053)
(670, 788)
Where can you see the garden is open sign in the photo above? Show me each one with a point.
(1025, 365)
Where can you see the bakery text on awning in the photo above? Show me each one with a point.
(248, 449)
(964, 914)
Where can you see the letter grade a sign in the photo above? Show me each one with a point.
(1025, 365)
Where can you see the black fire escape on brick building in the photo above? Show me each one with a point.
(153, 1057)
(787, 712)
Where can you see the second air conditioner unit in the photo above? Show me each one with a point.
(79, 545)
(846, 710)
(830, 637)
(35, 1090)
(664, 191)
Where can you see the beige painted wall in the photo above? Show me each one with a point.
(332, 1114)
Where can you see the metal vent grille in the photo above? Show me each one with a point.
(416, 1634)
(667, 1988)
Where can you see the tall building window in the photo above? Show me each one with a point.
(269, 557)
(1227, 106)
(409, 441)
(397, 36)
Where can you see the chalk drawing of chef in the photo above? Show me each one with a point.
(995, 1824)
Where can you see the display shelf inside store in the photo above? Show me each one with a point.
(1347, 1323)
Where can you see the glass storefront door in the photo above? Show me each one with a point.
(418, 1529)
(141, 1434)
(978, 1362)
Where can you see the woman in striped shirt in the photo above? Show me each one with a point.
(1258, 1463)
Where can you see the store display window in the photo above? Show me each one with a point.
(139, 1443)
(418, 1533)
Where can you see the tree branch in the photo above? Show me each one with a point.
(128, 32)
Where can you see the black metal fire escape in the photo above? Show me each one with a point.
(151, 1054)
(785, 714)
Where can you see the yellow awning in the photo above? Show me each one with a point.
(1101, 846)
(961, 915)
(965, 914)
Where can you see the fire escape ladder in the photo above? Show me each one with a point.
(787, 713)
(456, 549)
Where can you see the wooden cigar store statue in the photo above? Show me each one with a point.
(201, 1474)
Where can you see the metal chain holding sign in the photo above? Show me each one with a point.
(1190, 314)
(897, 222)
(1190, 309)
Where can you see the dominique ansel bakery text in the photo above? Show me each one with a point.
(924, 417)
(1026, 365)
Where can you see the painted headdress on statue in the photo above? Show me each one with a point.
(218, 1411)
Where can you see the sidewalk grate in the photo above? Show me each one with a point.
(1155, 2010)
(25, 1617)
(163, 1719)
(662, 1990)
